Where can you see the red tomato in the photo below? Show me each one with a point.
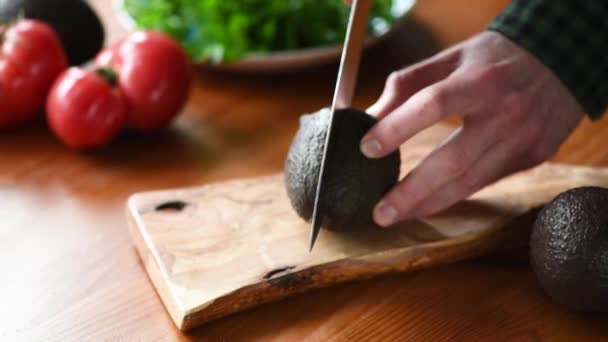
(85, 110)
(154, 73)
(31, 57)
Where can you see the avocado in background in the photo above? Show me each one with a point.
(77, 25)
(354, 183)
(569, 249)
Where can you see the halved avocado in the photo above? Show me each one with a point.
(354, 182)
(80, 30)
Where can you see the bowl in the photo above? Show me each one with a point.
(282, 61)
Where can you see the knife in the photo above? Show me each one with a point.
(343, 94)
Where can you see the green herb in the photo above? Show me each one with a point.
(227, 30)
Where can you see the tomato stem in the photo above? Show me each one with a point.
(108, 75)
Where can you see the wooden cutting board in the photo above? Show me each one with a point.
(222, 248)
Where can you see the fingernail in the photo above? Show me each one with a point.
(370, 147)
(385, 215)
(373, 109)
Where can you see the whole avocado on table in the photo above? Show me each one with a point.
(569, 249)
(79, 28)
(354, 183)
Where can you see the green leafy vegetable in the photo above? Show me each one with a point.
(227, 30)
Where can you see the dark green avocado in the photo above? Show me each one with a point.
(77, 25)
(354, 183)
(569, 249)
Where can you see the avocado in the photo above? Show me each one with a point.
(354, 183)
(569, 249)
(75, 22)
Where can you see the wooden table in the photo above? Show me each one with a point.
(71, 273)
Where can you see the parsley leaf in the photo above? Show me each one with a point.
(227, 30)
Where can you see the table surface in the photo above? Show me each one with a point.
(71, 272)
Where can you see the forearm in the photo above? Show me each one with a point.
(568, 36)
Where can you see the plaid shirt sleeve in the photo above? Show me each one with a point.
(568, 36)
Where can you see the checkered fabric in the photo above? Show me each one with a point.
(570, 37)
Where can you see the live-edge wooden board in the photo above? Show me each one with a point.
(222, 248)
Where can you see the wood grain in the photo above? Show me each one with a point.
(70, 272)
(222, 248)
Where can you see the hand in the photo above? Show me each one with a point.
(515, 112)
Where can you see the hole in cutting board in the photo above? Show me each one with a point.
(279, 272)
(171, 206)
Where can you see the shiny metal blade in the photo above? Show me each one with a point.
(343, 95)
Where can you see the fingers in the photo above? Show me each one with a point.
(402, 84)
(511, 122)
(450, 162)
(422, 110)
(496, 163)
(479, 154)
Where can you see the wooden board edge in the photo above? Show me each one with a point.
(152, 265)
(298, 281)
(410, 258)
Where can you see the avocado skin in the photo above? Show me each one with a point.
(79, 29)
(354, 183)
(569, 249)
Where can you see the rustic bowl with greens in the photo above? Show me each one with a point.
(259, 35)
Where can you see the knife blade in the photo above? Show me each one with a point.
(343, 94)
